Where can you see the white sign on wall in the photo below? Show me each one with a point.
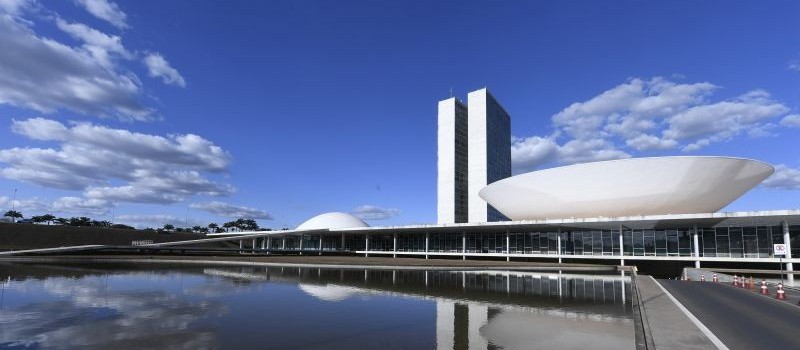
(778, 249)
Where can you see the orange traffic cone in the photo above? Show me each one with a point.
(702, 278)
(735, 281)
(751, 285)
(781, 294)
(715, 278)
(764, 289)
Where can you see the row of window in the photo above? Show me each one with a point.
(737, 242)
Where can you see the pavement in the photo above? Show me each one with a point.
(740, 318)
(670, 327)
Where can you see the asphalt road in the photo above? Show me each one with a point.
(739, 318)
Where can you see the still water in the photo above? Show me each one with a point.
(104, 306)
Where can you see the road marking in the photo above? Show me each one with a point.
(713, 338)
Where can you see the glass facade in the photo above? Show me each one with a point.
(727, 242)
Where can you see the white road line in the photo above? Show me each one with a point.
(713, 338)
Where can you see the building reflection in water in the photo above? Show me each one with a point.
(473, 309)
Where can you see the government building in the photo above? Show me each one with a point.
(620, 211)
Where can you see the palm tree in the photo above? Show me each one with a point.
(196, 229)
(169, 227)
(228, 225)
(37, 219)
(13, 214)
(61, 221)
(213, 226)
(48, 218)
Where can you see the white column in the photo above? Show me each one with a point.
(269, 241)
(789, 266)
(394, 245)
(558, 245)
(464, 246)
(366, 245)
(283, 243)
(301, 244)
(241, 245)
(427, 238)
(508, 247)
(621, 247)
(320, 244)
(263, 243)
(343, 243)
(696, 241)
(255, 242)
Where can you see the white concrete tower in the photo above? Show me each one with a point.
(452, 162)
(489, 145)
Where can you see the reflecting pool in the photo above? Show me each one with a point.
(118, 306)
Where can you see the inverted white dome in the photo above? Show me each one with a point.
(332, 220)
(627, 187)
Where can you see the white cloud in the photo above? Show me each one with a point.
(156, 220)
(99, 45)
(792, 121)
(105, 10)
(116, 164)
(82, 79)
(15, 7)
(81, 206)
(784, 178)
(795, 66)
(28, 207)
(647, 115)
(371, 212)
(231, 210)
(158, 67)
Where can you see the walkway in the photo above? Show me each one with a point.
(740, 318)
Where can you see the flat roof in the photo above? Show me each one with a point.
(670, 221)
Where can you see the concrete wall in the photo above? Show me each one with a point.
(29, 236)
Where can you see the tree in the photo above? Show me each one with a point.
(196, 229)
(61, 221)
(213, 226)
(169, 227)
(219, 230)
(48, 218)
(122, 226)
(80, 221)
(37, 219)
(13, 214)
(228, 225)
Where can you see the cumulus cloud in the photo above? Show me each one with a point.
(75, 78)
(99, 45)
(647, 115)
(792, 121)
(371, 212)
(15, 7)
(81, 206)
(25, 206)
(795, 66)
(158, 67)
(116, 164)
(231, 210)
(105, 10)
(784, 178)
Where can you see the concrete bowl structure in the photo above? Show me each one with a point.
(333, 220)
(627, 187)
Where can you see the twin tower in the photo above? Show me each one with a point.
(474, 150)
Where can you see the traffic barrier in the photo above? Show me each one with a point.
(715, 278)
(781, 294)
(764, 289)
(702, 278)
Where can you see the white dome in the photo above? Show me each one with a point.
(332, 220)
(628, 187)
(328, 292)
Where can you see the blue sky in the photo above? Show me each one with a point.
(155, 112)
